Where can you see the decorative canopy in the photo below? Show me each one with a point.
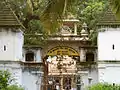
(109, 18)
(8, 17)
(62, 50)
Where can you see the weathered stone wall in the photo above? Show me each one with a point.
(14, 68)
(109, 44)
(11, 45)
(109, 55)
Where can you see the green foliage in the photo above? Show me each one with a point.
(14, 87)
(5, 79)
(87, 10)
(47, 11)
(90, 11)
(41, 16)
(38, 40)
(105, 86)
(116, 7)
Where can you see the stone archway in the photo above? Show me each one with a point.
(62, 67)
(62, 50)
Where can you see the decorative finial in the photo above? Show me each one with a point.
(84, 26)
(84, 32)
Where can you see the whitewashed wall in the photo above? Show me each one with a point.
(38, 55)
(84, 82)
(106, 40)
(93, 75)
(19, 41)
(13, 41)
(31, 81)
(86, 75)
(15, 69)
(109, 50)
(109, 73)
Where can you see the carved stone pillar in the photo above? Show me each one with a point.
(82, 55)
(61, 83)
(73, 83)
(75, 28)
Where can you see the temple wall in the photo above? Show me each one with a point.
(93, 76)
(11, 45)
(31, 81)
(15, 70)
(109, 55)
(88, 78)
(109, 73)
(109, 45)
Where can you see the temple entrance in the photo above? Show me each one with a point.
(62, 68)
(62, 82)
(67, 83)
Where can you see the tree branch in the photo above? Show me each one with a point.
(30, 17)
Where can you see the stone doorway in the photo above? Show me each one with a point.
(63, 83)
(62, 68)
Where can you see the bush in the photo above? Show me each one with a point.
(105, 86)
(14, 87)
(5, 81)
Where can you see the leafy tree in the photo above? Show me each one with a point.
(47, 11)
(90, 12)
(41, 16)
(116, 7)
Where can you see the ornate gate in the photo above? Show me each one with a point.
(62, 68)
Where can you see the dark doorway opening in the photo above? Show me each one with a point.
(29, 56)
(89, 57)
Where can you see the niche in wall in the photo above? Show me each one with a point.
(29, 56)
(89, 57)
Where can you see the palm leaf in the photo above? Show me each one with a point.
(116, 7)
(51, 11)
(29, 7)
(54, 11)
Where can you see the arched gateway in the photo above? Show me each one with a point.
(62, 50)
(62, 67)
(69, 59)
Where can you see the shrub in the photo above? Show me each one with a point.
(5, 79)
(14, 87)
(105, 86)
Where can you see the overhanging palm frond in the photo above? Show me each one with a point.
(116, 7)
(29, 6)
(55, 9)
(47, 11)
